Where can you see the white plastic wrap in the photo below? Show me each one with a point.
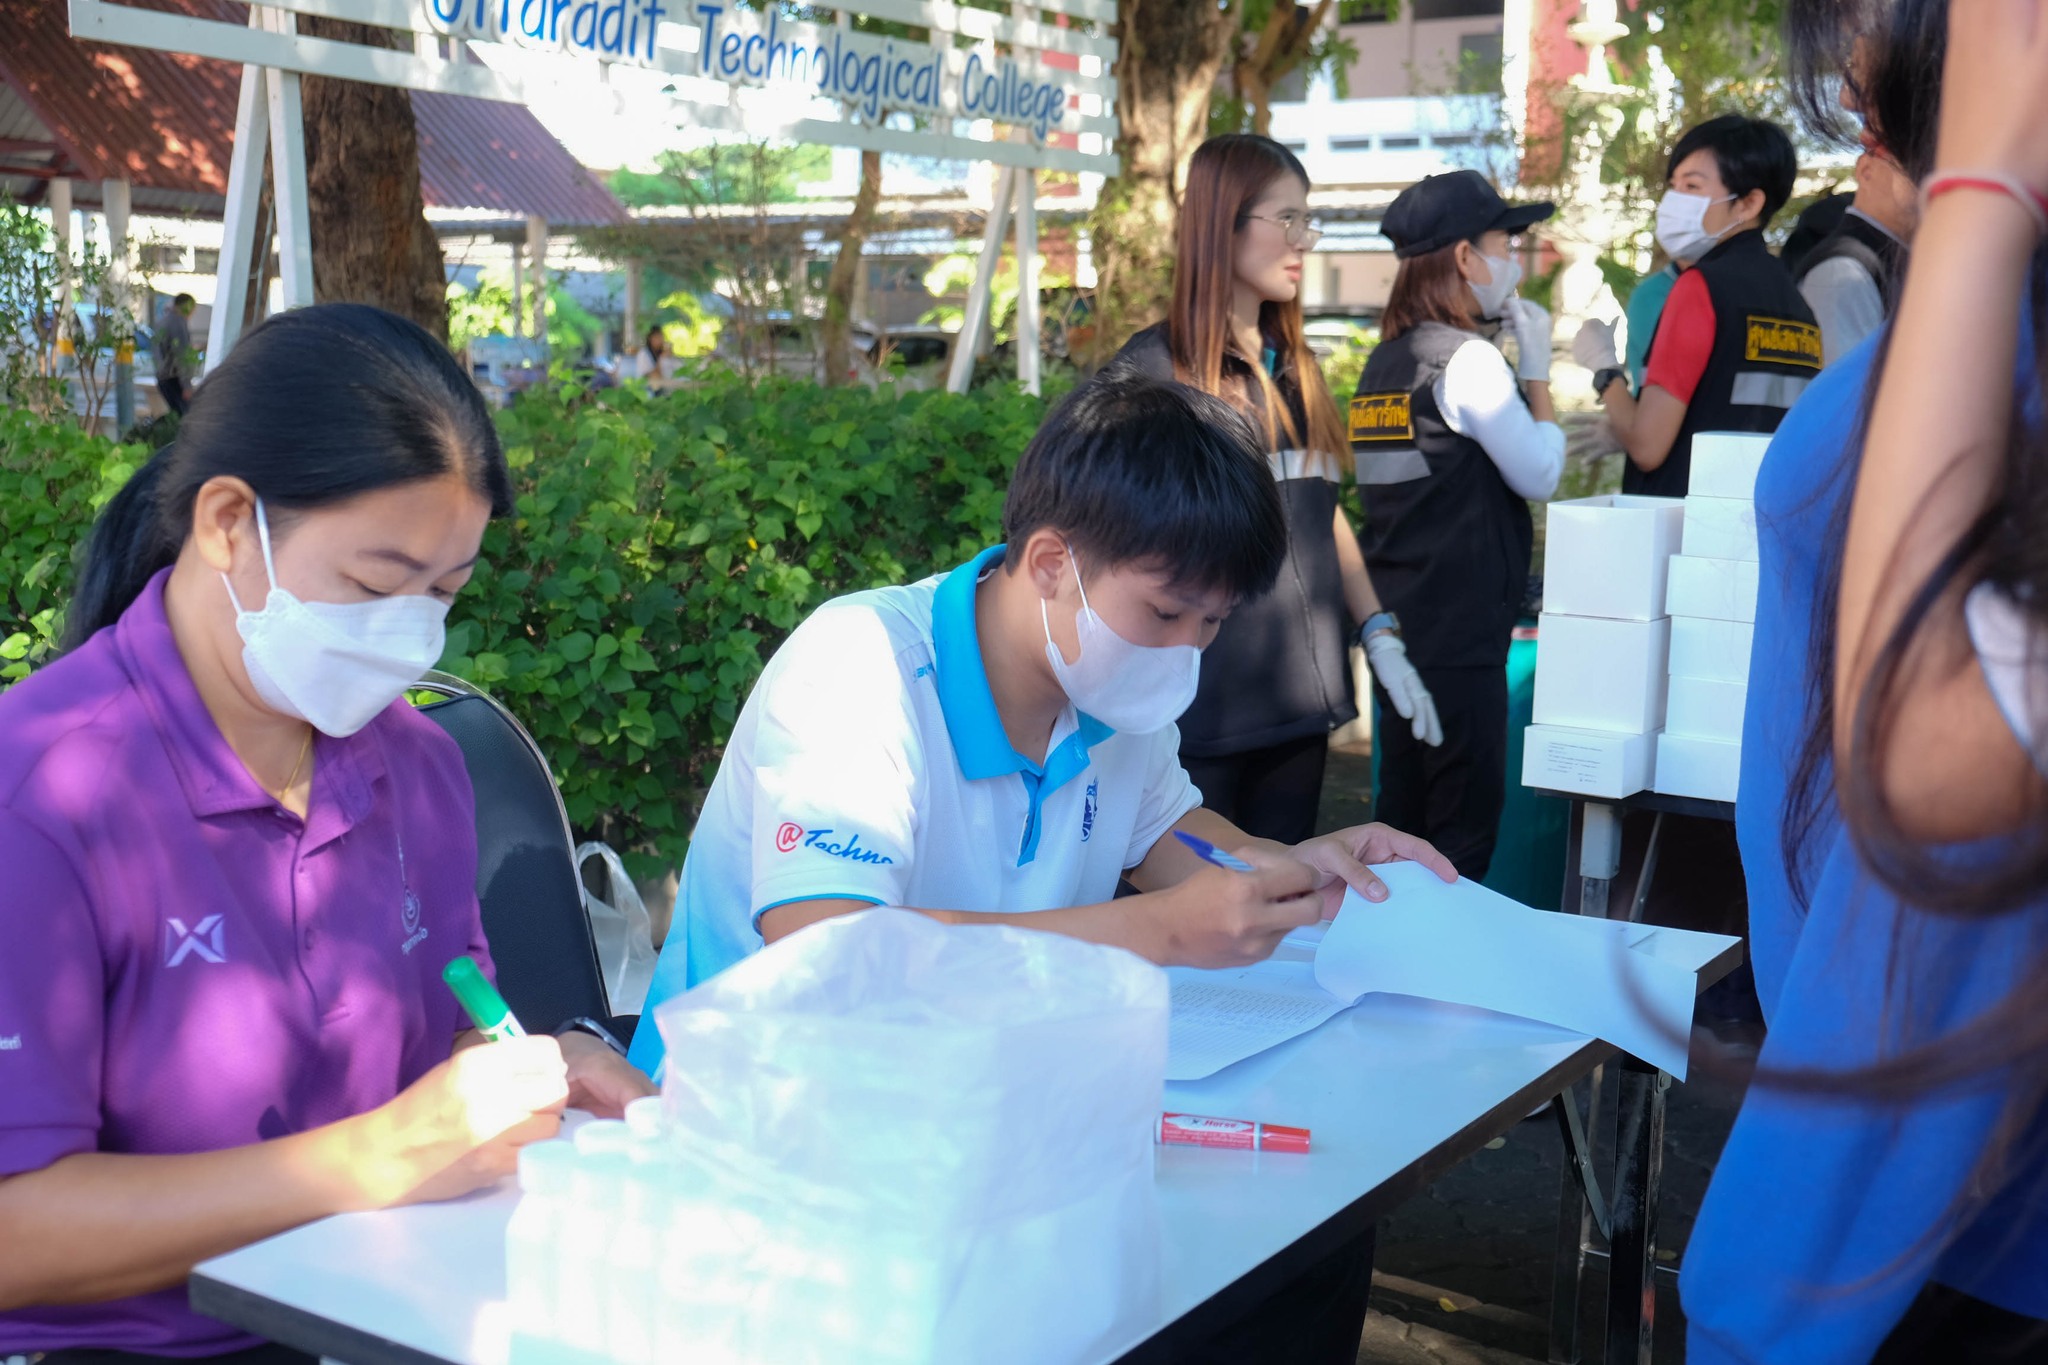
(898, 1141)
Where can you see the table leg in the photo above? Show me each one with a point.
(1638, 1171)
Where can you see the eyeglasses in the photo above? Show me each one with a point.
(1301, 231)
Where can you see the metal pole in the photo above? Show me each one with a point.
(1028, 353)
(288, 174)
(60, 230)
(537, 249)
(238, 234)
(962, 372)
(630, 342)
(115, 195)
(518, 288)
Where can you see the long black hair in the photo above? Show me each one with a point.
(1898, 89)
(312, 407)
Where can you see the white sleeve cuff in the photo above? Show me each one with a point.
(2012, 649)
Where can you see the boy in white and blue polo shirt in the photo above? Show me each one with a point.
(997, 743)
(919, 746)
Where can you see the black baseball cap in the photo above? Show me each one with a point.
(1456, 206)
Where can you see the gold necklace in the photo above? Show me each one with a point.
(304, 749)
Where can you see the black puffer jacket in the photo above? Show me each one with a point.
(1279, 668)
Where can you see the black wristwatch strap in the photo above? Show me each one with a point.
(585, 1024)
(1605, 377)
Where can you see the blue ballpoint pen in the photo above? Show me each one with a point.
(1208, 852)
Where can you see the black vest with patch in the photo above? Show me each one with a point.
(1279, 669)
(1766, 351)
(1446, 540)
(1882, 256)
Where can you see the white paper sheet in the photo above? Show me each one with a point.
(1470, 946)
(1222, 1017)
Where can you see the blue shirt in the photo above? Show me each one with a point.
(1827, 1216)
(1645, 306)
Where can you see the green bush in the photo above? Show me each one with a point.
(662, 548)
(53, 480)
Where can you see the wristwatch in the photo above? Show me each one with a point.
(1605, 376)
(585, 1024)
(1377, 622)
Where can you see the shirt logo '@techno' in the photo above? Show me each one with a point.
(1088, 809)
(791, 836)
(206, 940)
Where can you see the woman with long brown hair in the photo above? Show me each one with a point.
(1277, 679)
(1451, 444)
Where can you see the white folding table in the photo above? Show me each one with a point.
(1396, 1091)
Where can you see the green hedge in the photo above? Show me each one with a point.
(663, 547)
(53, 480)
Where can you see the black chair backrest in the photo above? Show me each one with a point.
(526, 875)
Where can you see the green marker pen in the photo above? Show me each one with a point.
(487, 1009)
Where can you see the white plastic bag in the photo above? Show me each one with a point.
(624, 934)
(906, 1142)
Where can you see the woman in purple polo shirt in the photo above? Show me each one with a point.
(237, 861)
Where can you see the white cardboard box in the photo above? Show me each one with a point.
(1724, 463)
(1607, 556)
(1700, 648)
(1708, 769)
(1587, 762)
(1723, 589)
(1720, 528)
(1705, 708)
(1597, 674)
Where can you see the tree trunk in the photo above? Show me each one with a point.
(1282, 47)
(1169, 53)
(371, 241)
(846, 268)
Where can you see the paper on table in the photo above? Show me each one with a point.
(1467, 945)
(1225, 1016)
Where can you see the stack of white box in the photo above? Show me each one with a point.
(1603, 645)
(1712, 601)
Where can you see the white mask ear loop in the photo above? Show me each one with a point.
(1074, 561)
(269, 567)
(1045, 614)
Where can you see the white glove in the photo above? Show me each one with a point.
(1594, 348)
(1531, 322)
(1389, 660)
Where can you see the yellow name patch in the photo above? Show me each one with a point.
(1784, 341)
(1381, 417)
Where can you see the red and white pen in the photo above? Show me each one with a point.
(1243, 1135)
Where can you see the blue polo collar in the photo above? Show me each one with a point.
(979, 741)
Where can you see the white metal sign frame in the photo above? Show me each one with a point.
(982, 82)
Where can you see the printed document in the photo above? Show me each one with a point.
(1631, 985)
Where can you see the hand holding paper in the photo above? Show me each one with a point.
(1467, 945)
(1632, 985)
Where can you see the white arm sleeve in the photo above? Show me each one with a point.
(2012, 649)
(1845, 302)
(1480, 398)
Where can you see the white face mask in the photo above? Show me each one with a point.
(335, 665)
(1493, 296)
(1133, 689)
(1681, 225)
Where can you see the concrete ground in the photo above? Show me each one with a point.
(1463, 1271)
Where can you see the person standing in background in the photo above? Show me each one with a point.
(1851, 278)
(652, 360)
(1277, 678)
(172, 349)
(1736, 345)
(1645, 306)
(1449, 448)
